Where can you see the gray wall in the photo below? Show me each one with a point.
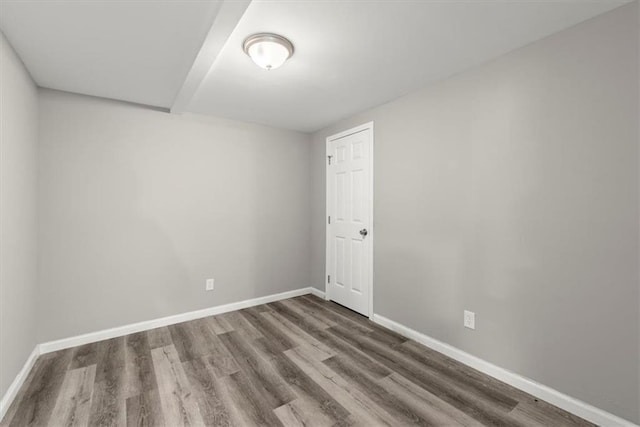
(512, 190)
(18, 182)
(139, 207)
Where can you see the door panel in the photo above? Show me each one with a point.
(349, 207)
(357, 253)
(340, 262)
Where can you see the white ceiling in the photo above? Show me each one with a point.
(350, 55)
(132, 50)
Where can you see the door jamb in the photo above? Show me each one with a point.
(371, 230)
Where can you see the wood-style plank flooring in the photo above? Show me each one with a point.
(298, 362)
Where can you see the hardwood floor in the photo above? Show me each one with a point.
(302, 361)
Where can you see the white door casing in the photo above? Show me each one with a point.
(350, 219)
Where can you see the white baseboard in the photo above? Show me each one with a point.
(317, 292)
(119, 331)
(561, 400)
(568, 403)
(13, 389)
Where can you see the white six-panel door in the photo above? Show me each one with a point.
(349, 218)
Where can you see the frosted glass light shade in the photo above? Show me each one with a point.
(268, 51)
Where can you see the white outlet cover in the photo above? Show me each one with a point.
(210, 284)
(469, 319)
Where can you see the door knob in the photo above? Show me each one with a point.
(364, 232)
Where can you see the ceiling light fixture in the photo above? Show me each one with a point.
(268, 51)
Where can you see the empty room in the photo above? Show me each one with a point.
(320, 213)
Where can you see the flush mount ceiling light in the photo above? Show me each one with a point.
(268, 51)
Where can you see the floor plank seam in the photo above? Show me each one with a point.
(301, 361)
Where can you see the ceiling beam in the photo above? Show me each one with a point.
(230, 13)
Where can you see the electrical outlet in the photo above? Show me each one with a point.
(469, 319)
(210, 284)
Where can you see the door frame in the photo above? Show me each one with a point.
(328, 201)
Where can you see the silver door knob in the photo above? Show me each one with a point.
(364, 232)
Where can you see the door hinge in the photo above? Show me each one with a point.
(329, 157)
(328, 279)
(329, 219)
